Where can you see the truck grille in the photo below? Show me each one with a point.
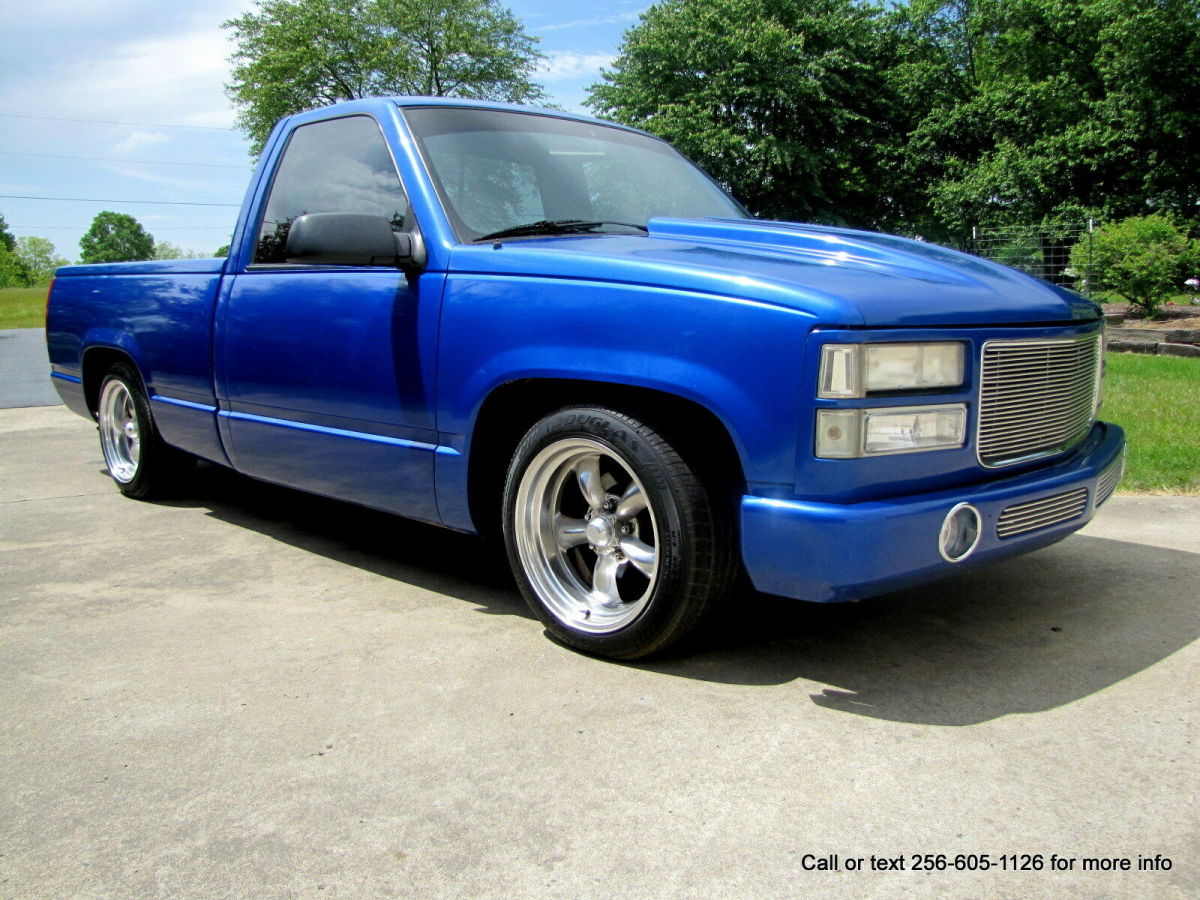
(1109, 479)
(1035, 397)
(1026, 517)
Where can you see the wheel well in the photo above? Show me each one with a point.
(96, 363)
(512, 409)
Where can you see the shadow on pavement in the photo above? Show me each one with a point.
(437, 559)
(1021, 636)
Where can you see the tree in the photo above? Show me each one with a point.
(167, 250)
(1041, 110)
(39, 258)
(7, 241)
(1145, 259)
(783, 101)
(294, 55)
(115, 237)
(12, 274)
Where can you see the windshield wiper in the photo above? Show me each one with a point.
(554, 226)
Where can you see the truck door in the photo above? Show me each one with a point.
(326, 372)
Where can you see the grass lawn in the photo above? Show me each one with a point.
(22, 307)
(1156, 399)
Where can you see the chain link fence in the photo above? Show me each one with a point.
(1040, 250)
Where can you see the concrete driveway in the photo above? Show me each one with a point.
(253, 693)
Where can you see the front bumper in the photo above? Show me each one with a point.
(840, 551)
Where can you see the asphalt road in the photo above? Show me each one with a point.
(25, 369)
(248, 692)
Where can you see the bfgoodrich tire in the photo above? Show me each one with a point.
(137, 459)
(614, 541)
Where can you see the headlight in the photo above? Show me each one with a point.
(854, 370)
(850, 433)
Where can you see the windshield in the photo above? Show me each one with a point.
(497, 170)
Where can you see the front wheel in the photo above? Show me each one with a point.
(614, 540)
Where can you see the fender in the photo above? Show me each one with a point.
(740, 361)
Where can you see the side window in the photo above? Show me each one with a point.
(342, 165)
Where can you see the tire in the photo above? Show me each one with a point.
(138, 460)
(614, 542)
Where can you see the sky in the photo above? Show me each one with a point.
(116, 101)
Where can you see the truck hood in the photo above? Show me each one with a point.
(839, 276)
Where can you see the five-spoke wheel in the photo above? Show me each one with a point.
(611, 535)
(586, 535)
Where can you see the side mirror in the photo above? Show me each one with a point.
(352, 239)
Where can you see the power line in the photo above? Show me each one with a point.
(151, 162)
(139, 202)
(112, 122)
(85, 227)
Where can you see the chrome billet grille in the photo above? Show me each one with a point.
(1109, 479)
(1026, 517)
(1035, 397)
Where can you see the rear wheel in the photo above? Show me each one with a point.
(613, 539)
(137, 459)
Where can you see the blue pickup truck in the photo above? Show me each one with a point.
(536, 324)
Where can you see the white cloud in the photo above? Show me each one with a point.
(138, 139)
(172, 78)
(597, 20)
(177, 80)
(567, 65)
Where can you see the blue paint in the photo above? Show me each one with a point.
(367, 384)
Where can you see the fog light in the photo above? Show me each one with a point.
(960, 533)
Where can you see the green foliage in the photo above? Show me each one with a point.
(1145, 259)
(927, 116)
(28, 261)
(167, 250)
(294, 55)
(1024, 253)
(115, 237)
(1025, 106)
(7, 241)
(783, 101)
(222, 251)
(39, 258)
(12, 273)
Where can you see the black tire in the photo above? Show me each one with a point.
(622, 556)
(141, 464)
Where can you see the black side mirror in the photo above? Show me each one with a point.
(352, 239)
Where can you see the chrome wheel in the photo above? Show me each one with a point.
(120, 434)
(586, 535)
